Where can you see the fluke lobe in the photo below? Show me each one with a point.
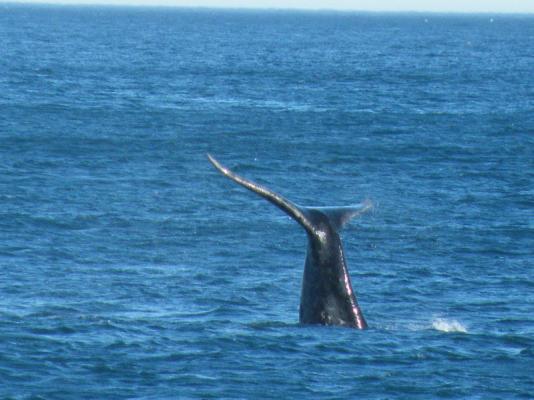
(327, 297)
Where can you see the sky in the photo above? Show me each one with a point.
(491, 6)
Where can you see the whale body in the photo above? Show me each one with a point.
(327, 297)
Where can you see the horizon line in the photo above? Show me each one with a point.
(97, 3)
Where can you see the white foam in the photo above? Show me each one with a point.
(445, 325)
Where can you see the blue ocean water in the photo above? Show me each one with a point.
(131, 269)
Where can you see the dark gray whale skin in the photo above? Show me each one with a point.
(327, 297)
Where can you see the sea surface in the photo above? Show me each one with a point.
(131, 269)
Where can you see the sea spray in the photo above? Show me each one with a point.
(445, 325)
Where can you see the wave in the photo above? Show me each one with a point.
(445, 325)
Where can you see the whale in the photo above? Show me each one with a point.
(327, 297)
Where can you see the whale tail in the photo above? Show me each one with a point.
(338, 216)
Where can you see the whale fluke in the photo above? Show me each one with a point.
(285, 205)
(340, 216)
(327, 297)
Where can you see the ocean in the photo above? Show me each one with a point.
(131, 269)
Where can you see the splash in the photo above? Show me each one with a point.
(445, 325)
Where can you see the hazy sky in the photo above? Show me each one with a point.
(368, 5)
